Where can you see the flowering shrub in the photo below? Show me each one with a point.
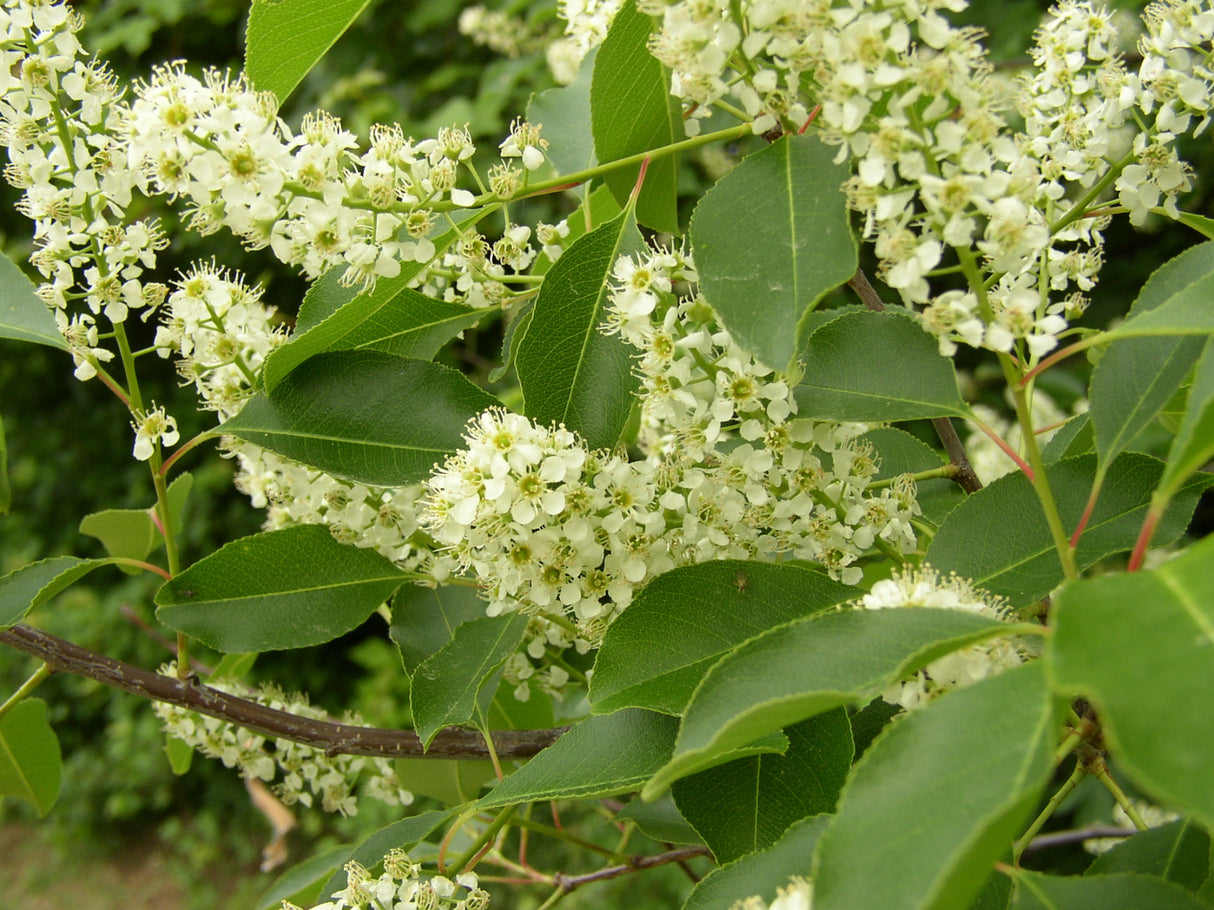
(666, 550)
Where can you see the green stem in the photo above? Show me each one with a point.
(26, 688)
(128, 368)
(1050, 808)
(1122, 800)
(461, 863)
(1078, 210)
(944, 472)
(558, 834)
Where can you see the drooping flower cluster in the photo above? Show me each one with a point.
(403, 886)
(307, 773)
(924, 588)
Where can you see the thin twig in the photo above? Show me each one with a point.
(334, 738)
(567, 883)
(1062, 838)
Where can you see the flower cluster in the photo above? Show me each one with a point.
(924, 588)
(586, 24)
(798, 894)
(502, 33)
(307, 773)
(402, 886)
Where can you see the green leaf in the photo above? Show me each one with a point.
(1186, 312)
(405, 834)
(1135, 377)
(31, 586)
(451, 781)
(281, 589)
(370, 417)
(632, 111)
(570, 371)
(445, 685)
(600, 756)
(23, 314)
(1138, 647)
(1193, 446)
(762, 873)
(302, 883)
(31, 765)
(424, 619)
(6, 491)
(937, 799)
(746, 805)
(683, 621)
(998, 537)
(1075, 437)
(128, 533)
(807, 667)
(1199, 223)
(848, 375)
(798, 245)
(1034, 891)
(178, 494)
(564, 114)
(286, 38)
(1178, 851)
(179, 753)
(660, 820)
(898, 452)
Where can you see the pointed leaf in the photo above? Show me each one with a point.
(600, 756)
(938, 798)
(286, 38)
(1034, 891)
(23, 314)
(762, 873)
(31, 765)
(1186, 312)
(564, 115)
(1075, 437)
(683, 621)
(1178, 851)
(424, 619)
(179, 753)
(1193, 446)
(746, 805)
(798, 244)
(405, 834)
(281, 589)
(898, 452)
(445, 685)
(660, 820)
(632, 111)
(1138, 647)
(809, 666)
(570, 371)
(302, 883)
(370, 417)
(998, 537)
(451, 781)
(35, 584)
(123, 532)
(848, 375)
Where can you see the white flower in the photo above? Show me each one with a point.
(151, 429)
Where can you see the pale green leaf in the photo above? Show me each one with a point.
(31, 765)
(807, 667)
(563, 113)
(367, 416)
(570, 371)
(31, 586)
(6, 490)
(762, 873)
(746, 805)
(683, 621)
(451, 781)
(847, 373)
(1193, 446)
(129, 533)
(660, 820)
(302, 883)
(1185, 312)
(424, 619)
(938, 798)
(899, 452)
(632, 111)
(1138, 646)
(446, 684)
(998, 537)
(1035, 891)
(405, 834)
(797, 244)
(285, 39)
(179, 753)
(281, 589)
(600, 756)
(23, 314)
(1178, 851)
(1075, 437)
(1199, 223)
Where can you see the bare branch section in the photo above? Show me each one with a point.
(966, 477)
(336, 739)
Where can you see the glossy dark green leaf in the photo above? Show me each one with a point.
(762, 873)
(33, 585)
(446, 684)
(570, 371)
(683, 621)
(998, 537)
(31, 766)
(424, 619)
(939, 797)
(600, 756)
(286, 38)
(632, 111)
(1139, 647)
(23, 314)
(847, 374)
(807, 667)
(370, 417)
(281, 589)
(788, 198)
(747, 805)
(1178, 851)
(1035, 891)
